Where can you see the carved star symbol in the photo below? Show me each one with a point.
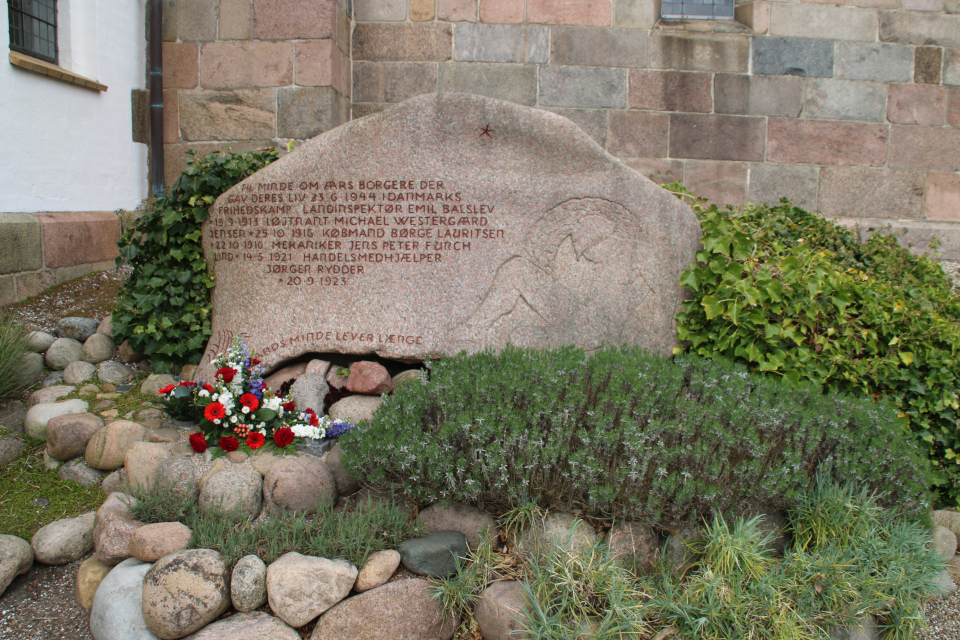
(486, 131)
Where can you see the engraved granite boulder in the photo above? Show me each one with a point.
(444, 223)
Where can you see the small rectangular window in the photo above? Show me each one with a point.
(697, 9)
(33, 28)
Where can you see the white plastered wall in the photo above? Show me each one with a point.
(65, 147)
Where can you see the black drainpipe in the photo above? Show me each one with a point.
(156, 97)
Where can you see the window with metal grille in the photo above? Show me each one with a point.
(697, 9)
(33, 28)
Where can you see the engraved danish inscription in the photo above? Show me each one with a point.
(324, 233)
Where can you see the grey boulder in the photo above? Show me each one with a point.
(64, 541)
(35, 422)
(76, 328)
(117, 611)
(434, 555)
(248, 583)
(16, 558)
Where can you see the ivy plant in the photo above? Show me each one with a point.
(164, 311)
(796, 296)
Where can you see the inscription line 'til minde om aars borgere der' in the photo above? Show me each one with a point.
(320, 233)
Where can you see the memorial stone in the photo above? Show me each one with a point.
(448, 222)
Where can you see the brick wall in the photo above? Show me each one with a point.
(850, 109)
(252, 73)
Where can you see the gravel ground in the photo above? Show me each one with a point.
(40, 605)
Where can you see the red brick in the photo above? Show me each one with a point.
(943, 197)
(586, 13)
(246, 65)
(711, 137)
(393, 42)
(285, 19)
(670, 91)
(660, 170)
(181, 65)
(721, 183)
(953, 107)
(840, 143)
(457, 10)
(501, 11)
(79, 237)
(423, 10)
(925, 148)
(916, 104)
(313, 63)
(856, 192)
(236, 19)
(171, 116)
(638, 134)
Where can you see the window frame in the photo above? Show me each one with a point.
(23, 13)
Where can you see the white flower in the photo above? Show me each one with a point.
(217, 421)
(245, 410)
(233, 419)
(203, 393)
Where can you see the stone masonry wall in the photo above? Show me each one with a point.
(849, 109)
(252, 73)
(39, 250)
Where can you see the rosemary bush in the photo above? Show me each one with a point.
(627, 434)
(351, 535)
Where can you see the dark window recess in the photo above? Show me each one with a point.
(33, 28)
(697, 9)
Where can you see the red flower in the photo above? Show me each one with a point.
(198, 442)
(228, 444)
(226, 374)
(165, 390)
(283, 437)
(287, 406)
(314, 420)
(255, 440)
(254, 362)
(187, 383)
(214, 411)
(250, 401)
(208, 388)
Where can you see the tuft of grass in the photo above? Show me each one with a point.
(737, 549)
(351, 535)
(32, 496)
(569, 594)
(13, 346)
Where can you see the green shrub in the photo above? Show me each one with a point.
(793, 295)
(626, 434)
(165, 307)
(13, 346)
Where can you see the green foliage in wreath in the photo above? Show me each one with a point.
(164, 311)
(796, 296)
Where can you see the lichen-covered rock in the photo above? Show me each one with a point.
(98, 348)
(35, 422)
(235, 489)
(408, 606)
(299, 588)
(299, 485)
(185, 591)
(68, 434)
(89, 576)
(247, 626)
(76, 327)
(499, 611)
(377, 570)
(78, 372)
(151, 542)
(248, 584)
(62, 352)
(108, 446)
(473, 523)
(16, 558)
(559, 529)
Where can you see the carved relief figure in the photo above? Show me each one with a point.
(578, 281)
